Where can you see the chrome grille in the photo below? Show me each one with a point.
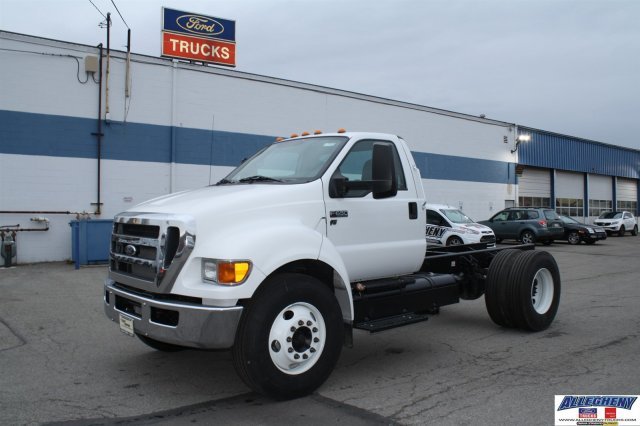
(148, 250)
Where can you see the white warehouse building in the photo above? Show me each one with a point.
(74, 141)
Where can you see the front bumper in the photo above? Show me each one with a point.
(596, 236)
(609, 227)
(175, 322)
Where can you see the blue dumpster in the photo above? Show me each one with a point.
(90, 241)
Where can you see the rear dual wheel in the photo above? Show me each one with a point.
(523, 289)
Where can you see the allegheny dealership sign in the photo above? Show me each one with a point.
(198, 37)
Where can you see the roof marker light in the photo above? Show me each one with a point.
(294, 135)
(304, 134)
(341, 130)
(317, 132)
(279, 139)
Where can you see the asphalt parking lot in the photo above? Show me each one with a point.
(62, 361)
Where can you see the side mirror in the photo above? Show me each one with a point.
(383, 171)
(338, 186)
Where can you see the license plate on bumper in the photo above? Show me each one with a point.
(126, 325)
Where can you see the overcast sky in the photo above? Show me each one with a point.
(567, 66)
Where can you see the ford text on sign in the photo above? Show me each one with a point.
(198, 49)
(198, 25)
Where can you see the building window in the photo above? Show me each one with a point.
(539, 202)
(597, 207)
(570, 206)
(630, 206)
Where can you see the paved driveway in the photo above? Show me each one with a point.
(61, 360)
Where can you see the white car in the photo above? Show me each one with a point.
(449, 226)
(618, 222)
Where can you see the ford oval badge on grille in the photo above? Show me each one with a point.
(130, 250)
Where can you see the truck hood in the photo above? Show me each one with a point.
(230, 198)
(476, 227)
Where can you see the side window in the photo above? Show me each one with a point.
(535, 215)
(500, 217)
(356, 167)
(517, 215)
(434, 218)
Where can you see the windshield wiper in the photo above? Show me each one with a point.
(259, 178)
(225, 181)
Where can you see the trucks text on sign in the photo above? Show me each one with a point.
(198, 37)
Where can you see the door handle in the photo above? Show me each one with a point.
(413, 210)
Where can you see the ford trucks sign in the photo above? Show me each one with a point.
(198, 37)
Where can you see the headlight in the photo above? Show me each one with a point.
(591, 231)
(225, 272)
(466, 231)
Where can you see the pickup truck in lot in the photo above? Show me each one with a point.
(304, 242)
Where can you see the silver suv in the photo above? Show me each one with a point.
(527, 225)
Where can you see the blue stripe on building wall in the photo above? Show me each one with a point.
(50, 135)
(449, 167)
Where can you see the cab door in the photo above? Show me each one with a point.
(375, 237)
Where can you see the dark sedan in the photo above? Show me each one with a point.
(575, 231)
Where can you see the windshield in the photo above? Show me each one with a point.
(567, 219)
(456, 216)
(293, 161)
(611, 215)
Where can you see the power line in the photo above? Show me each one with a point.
(99, 11)
(125, 22)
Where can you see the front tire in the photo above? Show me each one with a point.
(634, 232)
(455, 241)
(289, 338)
(621, 231)
(573, 238)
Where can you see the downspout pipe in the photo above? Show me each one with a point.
(98, 134)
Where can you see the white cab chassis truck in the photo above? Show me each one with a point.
(308, 239)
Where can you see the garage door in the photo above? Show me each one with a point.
(627, 194)
(570, 193)
(600, 194)
(534, 188)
